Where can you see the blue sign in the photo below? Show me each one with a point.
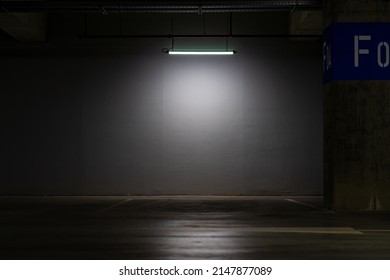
(356, 51)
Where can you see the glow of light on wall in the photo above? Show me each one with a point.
(202, 97)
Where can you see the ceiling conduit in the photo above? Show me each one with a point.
(156, 6)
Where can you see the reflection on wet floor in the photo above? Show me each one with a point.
(187, 227)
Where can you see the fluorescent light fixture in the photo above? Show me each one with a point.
(201, 52)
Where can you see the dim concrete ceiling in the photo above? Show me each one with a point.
(157, 6)
(27, 20)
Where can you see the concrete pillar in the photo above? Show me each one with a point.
(357, 125)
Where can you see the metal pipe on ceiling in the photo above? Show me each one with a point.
(157, 6)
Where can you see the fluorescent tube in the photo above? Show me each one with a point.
(201, 52)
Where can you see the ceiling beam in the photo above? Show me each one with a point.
(157, 6)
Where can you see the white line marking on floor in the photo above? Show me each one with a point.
(327, 230)
(241, 230)
(308, 205)
(374, 230)
(108, 208)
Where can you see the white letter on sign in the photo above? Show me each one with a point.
(387, 48)
(360, 51)
(327, 57)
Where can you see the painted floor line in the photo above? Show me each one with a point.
(309, 205)
(114, 205)
(374, 230)
(303, 230)
(326, 230)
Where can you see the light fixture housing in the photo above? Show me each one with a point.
(200, 52)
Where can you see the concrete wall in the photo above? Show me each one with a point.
(106, 121)
(154, 124)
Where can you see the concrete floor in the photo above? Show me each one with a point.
(187, 228)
